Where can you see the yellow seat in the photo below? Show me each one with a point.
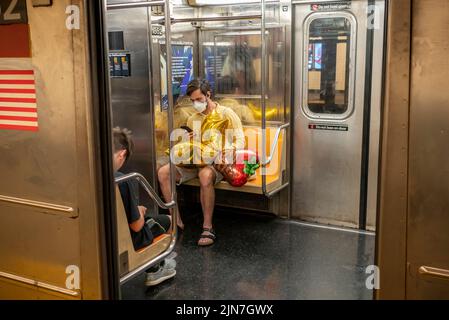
(129, 259)
(273, 170)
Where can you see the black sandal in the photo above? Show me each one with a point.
(212, 236)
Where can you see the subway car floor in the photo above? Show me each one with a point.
(261, 257)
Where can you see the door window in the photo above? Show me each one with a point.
(329, 71)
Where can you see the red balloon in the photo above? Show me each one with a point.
(245, 164)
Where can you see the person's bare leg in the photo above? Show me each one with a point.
(207, 196)
(164, 182)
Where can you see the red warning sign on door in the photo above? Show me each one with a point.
(14, 29)
(15, 41)
(18, 108)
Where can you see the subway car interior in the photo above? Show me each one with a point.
(331, 98)
(250, 74)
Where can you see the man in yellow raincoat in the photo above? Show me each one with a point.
(200, 93)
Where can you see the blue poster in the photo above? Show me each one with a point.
(182, 72)
(211, 63)
(182, 68)
(315, 56)
(318, 55)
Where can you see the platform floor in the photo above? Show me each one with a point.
(260, 257)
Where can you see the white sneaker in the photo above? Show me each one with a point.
(170, 263)
(172, 255)
(164, 273)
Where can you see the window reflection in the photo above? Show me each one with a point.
(232, 65)
(328, 65)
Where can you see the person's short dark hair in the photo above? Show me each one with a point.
(122, 140)
(196, 84)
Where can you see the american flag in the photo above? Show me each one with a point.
(18, 108)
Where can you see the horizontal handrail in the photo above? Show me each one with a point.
(39, 284)
(228, 3)
(209, 19)
(434, 272)
(274, 191)
(147, 187)
(64, 210)
(239, 96)
(275, 143)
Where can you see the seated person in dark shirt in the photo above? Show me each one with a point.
(143, 229)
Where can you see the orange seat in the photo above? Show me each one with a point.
(155, 240)
(253, 141)
(129, 258)
(273, 169)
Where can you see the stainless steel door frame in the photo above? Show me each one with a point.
(427, 275)
(143, 9)
(131, 97)
(377, 91)
(327, 169)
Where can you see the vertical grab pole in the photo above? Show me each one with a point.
(262, 100)
(170, 110)
(215, 65)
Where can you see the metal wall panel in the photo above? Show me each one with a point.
(428, 212)
(54, 166)
(375, 117)
(327, 172)
(391, 227)
(131, 96)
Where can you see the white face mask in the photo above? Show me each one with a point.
(200, 106)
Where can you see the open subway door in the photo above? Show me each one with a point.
(132, 108)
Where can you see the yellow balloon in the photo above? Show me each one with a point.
(189, 154)
(213, 130)
(270, 113)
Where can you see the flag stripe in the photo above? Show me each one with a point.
(16, 72)
(18, 86)
(17, 77)
(24, 100)
(18, 123)
(16, 81)
(17, 95)
(18, 109)
(18, 114)
(18, 105)
(16, 118)
(27, 91)
(20, 128)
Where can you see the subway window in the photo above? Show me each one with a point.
(328, 68)
(231, 63)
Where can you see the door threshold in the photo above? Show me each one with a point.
(329, 227)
